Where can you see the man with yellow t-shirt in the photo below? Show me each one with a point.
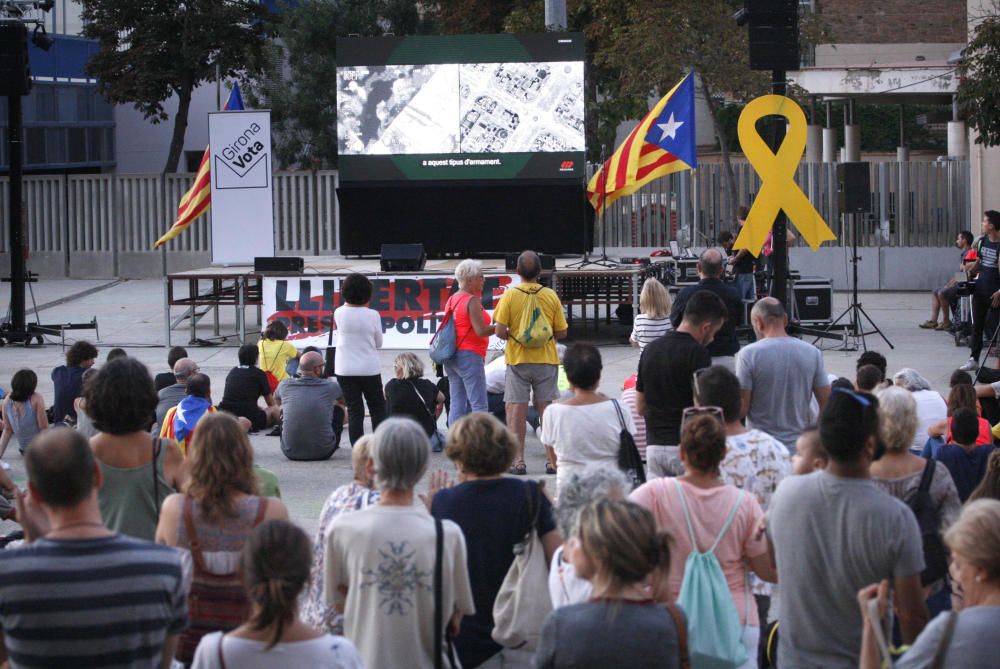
(530, 370)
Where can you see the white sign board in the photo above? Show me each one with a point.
(242, 186)
(411, 306)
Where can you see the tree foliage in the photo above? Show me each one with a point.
(979, 84)
(299, 81)
(151, 50)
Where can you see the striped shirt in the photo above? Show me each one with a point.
(646, 329)
(105, 602)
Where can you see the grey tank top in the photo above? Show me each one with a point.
(24, 419)
(127, 500)
(84, 424)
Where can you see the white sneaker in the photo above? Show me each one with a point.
(970, 365)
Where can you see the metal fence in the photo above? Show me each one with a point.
(103, 225)
(694, 207)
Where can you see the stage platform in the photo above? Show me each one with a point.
(206, 290)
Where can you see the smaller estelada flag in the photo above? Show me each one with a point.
(199, 197)
(662, 143)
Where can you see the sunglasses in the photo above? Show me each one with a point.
(691, 412)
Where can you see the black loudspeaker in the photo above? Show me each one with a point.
(813, 300)
(510, 261)
(278, 265)
(15, 73)
(854, 185)
(403, 258)
(773, 34)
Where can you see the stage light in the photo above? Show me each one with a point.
(741, 16)
(41, 39)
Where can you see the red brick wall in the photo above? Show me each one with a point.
(894, 21)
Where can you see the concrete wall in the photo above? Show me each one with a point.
(854, 55)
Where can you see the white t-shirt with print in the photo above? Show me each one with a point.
(384, 556)
(327, 651)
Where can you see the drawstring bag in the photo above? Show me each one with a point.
(536, 329)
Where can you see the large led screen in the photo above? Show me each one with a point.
(461, 107)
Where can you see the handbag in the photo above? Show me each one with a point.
(444, 344)
(523, 601)
(629, 460)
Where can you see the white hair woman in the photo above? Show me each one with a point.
(411, 395)
(380, 563)
(966, 637)
(466, 370)
(931, 407)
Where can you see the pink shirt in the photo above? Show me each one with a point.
(709, 509)
(465, 335)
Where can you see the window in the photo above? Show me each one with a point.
(34, 146)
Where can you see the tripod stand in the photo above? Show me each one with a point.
(602, 260)
(854, 328)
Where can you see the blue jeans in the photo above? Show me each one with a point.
(746, 286)
(466, 383)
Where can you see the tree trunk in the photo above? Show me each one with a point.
(180, 125)
(727, 164)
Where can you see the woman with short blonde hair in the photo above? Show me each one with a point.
(411, 395)
(466, 370)
(653, 320)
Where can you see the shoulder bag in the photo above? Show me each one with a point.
(629, 460)
(682, 635)
(523, 601)
(929, 520)
(441, 635)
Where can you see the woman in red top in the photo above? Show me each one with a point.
(466, 370)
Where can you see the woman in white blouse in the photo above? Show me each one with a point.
(359, 337)
(586, 428)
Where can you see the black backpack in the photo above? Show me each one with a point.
(929, 521)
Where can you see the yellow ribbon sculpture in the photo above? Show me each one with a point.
(777, 173)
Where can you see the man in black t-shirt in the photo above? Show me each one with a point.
(244, 386)
(743, 264)
(725, 345)
(664, 385)
(986, 298)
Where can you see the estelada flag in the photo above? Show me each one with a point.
(664, 142)
(199, 197)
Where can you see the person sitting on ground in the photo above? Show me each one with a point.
(628, 400)
(931, 407)
(959, 377)
(84, 423)
(211, 521)
(128, 595)
(67, 380)
(311, 427)
(392, 631)
(180, 422)
(495, 514)
(653, 320)
(618, 548)
(725, 344)
(989, 487)
(171, 396)
(696, 510)
(878, 360)
(23, 411)
(810, 455)
(275, 568)
(820, 564)
(966, 637)
(164, 379)
(114, 354)
(587, 427)
(244, 386)
(664, 384)
(962, 396)
(963, 455)
(357, 366)
(496, 380)
(779, 375)
(139, 470)
(869, 378)
(275, 352)
(354, 496)
(944, 299)
(411, 395)
(590, 485)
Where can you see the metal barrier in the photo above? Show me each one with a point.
(694, 207)
(104, 225)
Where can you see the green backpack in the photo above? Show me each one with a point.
(536, 329)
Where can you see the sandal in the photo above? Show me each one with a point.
(519, 468)
(946, 325)
(928, 325)
(549, 469)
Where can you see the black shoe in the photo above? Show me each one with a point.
(276, 432)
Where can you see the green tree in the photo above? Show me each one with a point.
(155, 49)
(979, 82)
(299, 81)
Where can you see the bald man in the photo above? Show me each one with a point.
(172, 395)
(725, 345)
(311, 427)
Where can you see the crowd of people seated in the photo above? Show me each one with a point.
(783, 518)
